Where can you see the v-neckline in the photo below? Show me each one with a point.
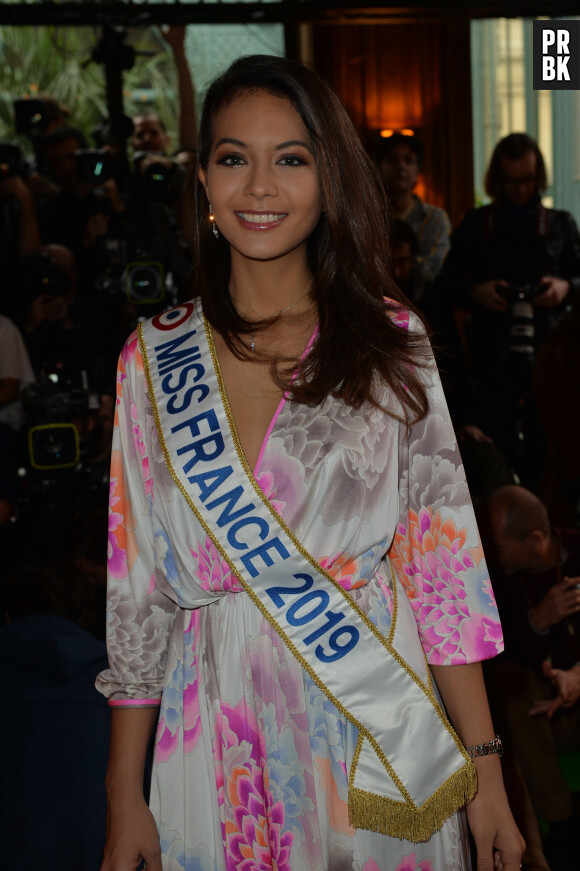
(228, 409)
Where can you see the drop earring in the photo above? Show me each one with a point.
(214, 228)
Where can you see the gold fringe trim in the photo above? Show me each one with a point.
(401, 820)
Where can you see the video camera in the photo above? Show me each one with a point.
(520, 293)
(522, 330)
(161, 180)
(32, 116)
(94, 165)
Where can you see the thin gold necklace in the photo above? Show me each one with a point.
(273, 315)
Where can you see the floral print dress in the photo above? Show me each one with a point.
(251, 760)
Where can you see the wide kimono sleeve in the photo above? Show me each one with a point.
(436, 552)
(139, 615)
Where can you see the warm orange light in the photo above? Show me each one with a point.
(402, 131)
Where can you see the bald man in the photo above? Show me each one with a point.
(535, 687)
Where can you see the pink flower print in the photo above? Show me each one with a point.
(129, 349)
(191, 717)
(131, 353)
(371, 865)
(191, 711)
(121, 378)
(431, 561)
(122, 550)
(481, 637)
(399, 316)
(408, 863)
(254, 832)
(116, 546)
(213, 572)
(266, 483)
(343, 569)
(254, 823)
(141, 450)
(166, 743)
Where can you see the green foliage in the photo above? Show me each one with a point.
(55, 61)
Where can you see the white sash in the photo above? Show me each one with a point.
(409, 771)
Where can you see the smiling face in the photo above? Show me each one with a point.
(262, 180)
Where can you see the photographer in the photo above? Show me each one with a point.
(65, 336)
(534, 687)
(158, 209)
(19, 231)
(514, 266)
(20, 222)
(149, 132)
(85, 208)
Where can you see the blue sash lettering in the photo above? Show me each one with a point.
(169, 355)
(310, 605)
(216, 478)
(198, 446)
(247, 521)
(179, 374)
(263, 551)
(231, 497)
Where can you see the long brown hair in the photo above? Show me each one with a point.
(348, 251)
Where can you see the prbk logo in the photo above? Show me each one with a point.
(557, 55)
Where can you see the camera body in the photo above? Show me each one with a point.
(522, 330)
(520, 292)
(94, 165)
(160, 180)
(31, 117)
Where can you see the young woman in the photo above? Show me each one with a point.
(291, 534)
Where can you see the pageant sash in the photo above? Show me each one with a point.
(409, 771)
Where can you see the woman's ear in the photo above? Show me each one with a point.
(202, 176)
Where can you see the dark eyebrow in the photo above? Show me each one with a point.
(293, 142)
(227, 141)
(230, 141)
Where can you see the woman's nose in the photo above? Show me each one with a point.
(261, 181)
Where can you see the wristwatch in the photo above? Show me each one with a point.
(486, 749)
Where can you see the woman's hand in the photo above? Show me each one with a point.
(131, 837)
(497, 839)
(498, 842)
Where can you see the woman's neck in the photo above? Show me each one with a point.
(261, 289)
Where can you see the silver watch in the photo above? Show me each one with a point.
(486, 749)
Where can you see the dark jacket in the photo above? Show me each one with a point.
(518, 593)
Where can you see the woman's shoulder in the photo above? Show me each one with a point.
(166, 323)
(403, 317)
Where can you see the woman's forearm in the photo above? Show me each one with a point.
(130, 734)
(462, 689)
(463, 692)
(497, 840)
